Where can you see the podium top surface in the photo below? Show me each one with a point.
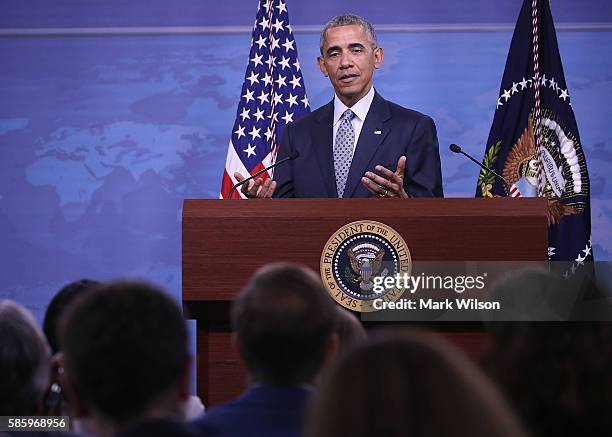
(422, 207)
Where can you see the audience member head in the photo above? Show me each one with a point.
(349, 329)
(24, 362)
(125, 355)
(556, 375)
(409, 383)
(58, 306)
(284, 322)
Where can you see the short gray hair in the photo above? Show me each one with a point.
(346, 20)
(24, 361)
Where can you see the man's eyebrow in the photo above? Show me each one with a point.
(332, 49)
(355, 45)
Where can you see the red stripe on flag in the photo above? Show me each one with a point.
(226, 186)
(514, 191)
(259, 167)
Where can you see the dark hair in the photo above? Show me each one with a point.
(283, 320)
(24, 361)
(58, 305)
(409, 383)
(124, 344)
(347, 20)
(350, 330)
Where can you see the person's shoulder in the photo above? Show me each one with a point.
(398, 111)
(314, 116)
(218, 415)
(405, 113)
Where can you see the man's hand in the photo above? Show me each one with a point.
(257, 188)
(388, 183)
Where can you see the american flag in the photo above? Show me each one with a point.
(273, 94)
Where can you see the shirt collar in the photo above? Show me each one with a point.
(360, 109)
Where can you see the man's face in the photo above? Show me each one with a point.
(349, 60)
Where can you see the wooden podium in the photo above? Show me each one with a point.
(225, 241)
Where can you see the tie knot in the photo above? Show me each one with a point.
(348, 115)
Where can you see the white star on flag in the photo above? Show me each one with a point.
(288, 117)
(244, 114)
(259, 114)
(278, 25)
(291, 100)
(257, 60)
(288, 45)
(261, 41)
(295, 82)
(248, 96)
(255, 133)
(240, 131)
(284, 63)
(253, 78)
(281, 81)
(250, 150)
(281, 7)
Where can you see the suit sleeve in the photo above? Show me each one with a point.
(283, 174)
(423, 174)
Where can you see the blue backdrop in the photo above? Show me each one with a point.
(111, 113)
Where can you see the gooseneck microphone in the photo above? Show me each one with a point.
(456, 149)
(295, 154)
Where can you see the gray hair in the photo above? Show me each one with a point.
(24, 361)
(346, 20)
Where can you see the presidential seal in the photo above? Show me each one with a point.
(359, 255)
(564, 167)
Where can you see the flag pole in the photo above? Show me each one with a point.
(536, 87)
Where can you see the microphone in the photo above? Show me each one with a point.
(295, 154)
(456, 149)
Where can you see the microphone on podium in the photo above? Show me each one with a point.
(295, 154)
(457, 149)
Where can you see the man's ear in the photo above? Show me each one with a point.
(379, 55)
(77, 407)
(322, 66)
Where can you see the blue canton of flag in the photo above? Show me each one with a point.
(534, 141)
(273, 95)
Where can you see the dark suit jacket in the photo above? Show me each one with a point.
(263, 410)
(389, 131)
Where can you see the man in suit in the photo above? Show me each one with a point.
(348, 147)
(284, 323)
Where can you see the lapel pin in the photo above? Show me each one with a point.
(377, 132)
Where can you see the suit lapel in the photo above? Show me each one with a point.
(324, 149)
(373, 132)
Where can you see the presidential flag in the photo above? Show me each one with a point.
(273, 95)
(534, 142)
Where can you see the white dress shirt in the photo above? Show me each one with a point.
(360, 109)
